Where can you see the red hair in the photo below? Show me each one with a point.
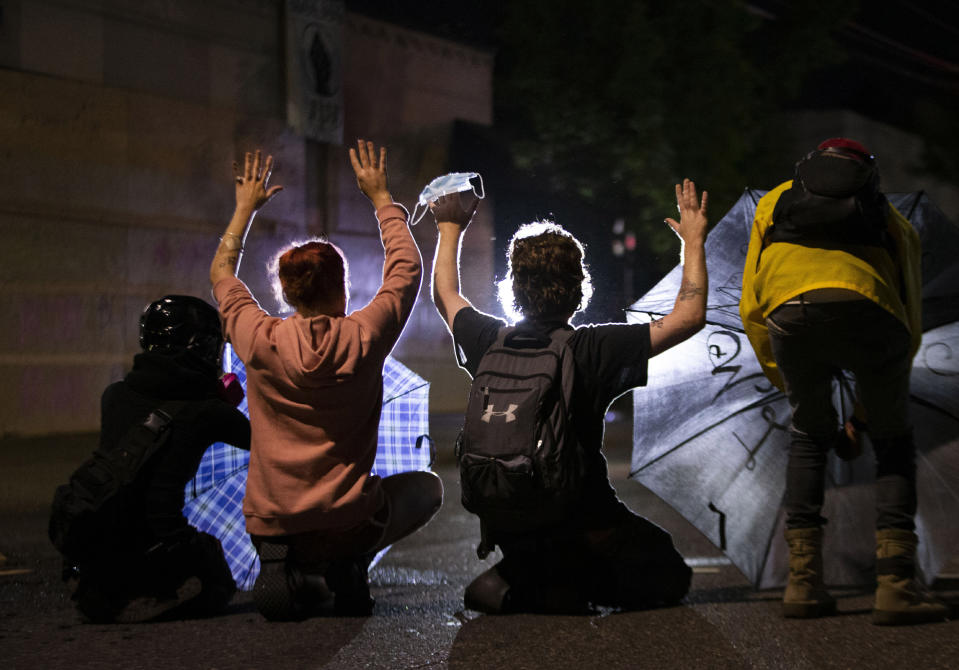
(311, 274)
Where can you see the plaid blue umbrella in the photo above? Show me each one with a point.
(214, 497)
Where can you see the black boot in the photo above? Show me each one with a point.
(349, 581)
(488, 593)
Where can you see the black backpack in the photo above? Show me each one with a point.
(101, 503)
(521, 466)
(833, 201)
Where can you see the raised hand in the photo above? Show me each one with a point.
(252, 184)
(689, 312)
(449, 209)
(692, 213)
(370, 171)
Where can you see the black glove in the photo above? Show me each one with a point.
(449, 208)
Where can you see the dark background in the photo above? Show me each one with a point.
(598, 108)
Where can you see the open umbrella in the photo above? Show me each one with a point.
(214, 497)
(711, 433)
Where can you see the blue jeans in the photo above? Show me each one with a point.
(811, 342)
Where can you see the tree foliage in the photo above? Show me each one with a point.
(616, 101)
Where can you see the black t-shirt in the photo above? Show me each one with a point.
(610, 359)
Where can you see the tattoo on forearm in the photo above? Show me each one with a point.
(228, 261)
(688, 290)
(658, 323)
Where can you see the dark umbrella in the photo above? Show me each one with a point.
(710, 432)
(214, 497)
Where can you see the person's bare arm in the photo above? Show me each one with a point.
(252, 192)
(689, 312)
(451, 222)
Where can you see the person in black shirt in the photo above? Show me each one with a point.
(604, 554)
(159, 562)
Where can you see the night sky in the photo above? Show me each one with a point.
(896, 51)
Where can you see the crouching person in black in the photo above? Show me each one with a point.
(128, 550)
(582, 547)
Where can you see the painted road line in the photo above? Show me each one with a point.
(707, 565)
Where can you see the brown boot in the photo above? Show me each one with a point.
(805, 597)
(901, 598)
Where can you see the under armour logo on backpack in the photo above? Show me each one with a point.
(510, 413)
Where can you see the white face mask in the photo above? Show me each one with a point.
(454, 182)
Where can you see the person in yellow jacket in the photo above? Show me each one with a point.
(832, 282)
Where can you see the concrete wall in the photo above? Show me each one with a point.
(119, 120)
(406, 87)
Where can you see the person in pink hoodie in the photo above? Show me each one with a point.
(315, 390)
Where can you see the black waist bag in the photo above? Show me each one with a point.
(832, 202)
(100, 503)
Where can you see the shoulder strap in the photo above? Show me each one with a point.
(562, 335)
(158, 423)
(159, 419)
(559, 342)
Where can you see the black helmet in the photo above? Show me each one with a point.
(181, 322)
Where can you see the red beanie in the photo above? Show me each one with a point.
(845, 144)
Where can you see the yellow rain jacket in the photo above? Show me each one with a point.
(785, 270)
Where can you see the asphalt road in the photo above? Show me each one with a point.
(419, 620)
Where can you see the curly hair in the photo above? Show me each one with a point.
(309, 273)
(547, 275)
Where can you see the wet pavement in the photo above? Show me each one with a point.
(419, 620)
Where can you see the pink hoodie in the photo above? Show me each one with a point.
(315, 389)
